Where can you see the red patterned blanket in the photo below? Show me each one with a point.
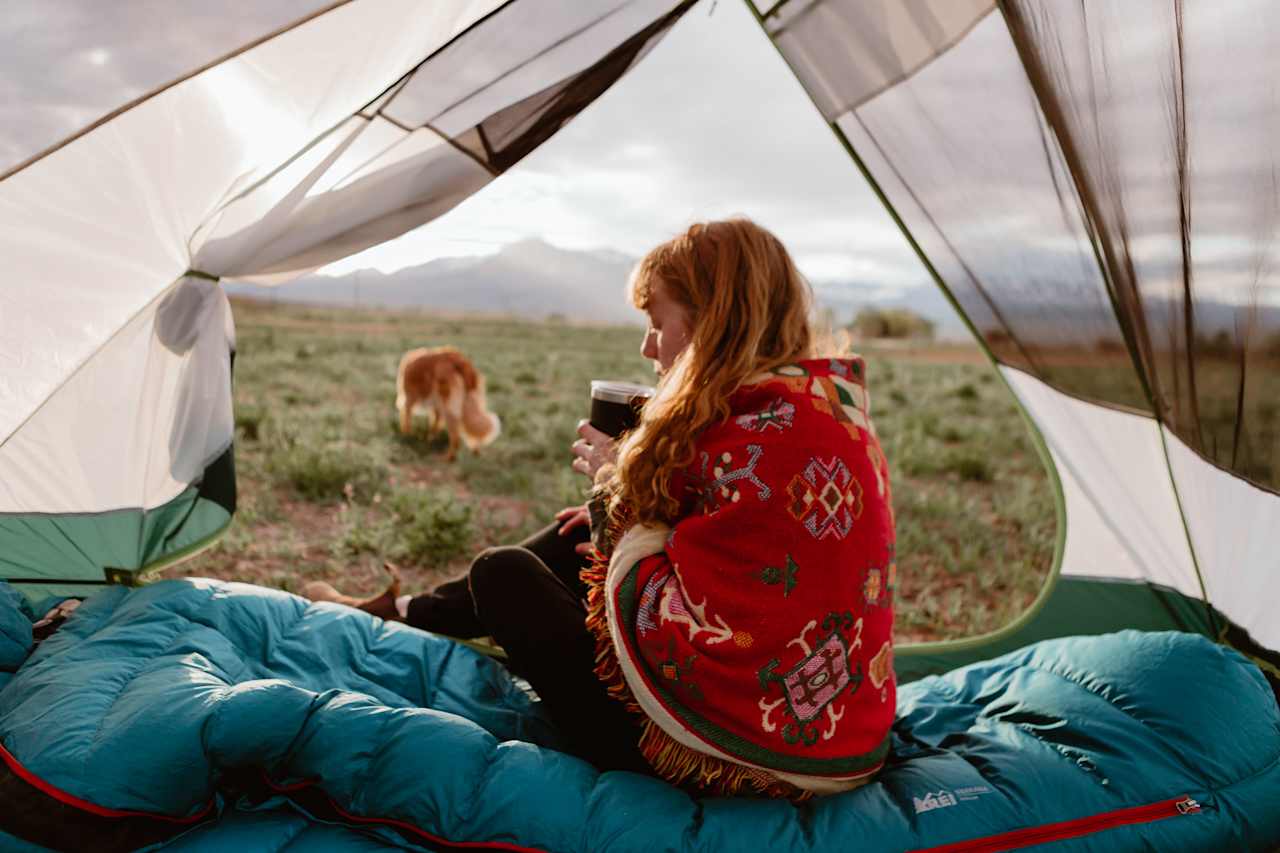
(756, 635)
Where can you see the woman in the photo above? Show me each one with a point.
(739, 604)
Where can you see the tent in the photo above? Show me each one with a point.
(1081, 181)
(266, 153)
(1075, 176)
(1090, 183)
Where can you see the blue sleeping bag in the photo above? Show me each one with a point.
(200, 716)
(15, 632)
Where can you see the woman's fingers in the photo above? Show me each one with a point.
(570, 510)
(592, 435)
(604, 448)
(578, 519)
(584, 548)
(594, 449)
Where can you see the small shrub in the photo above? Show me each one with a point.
(913, 454)
(973, 469)
(327, 473)
(966, 392)
(365, 534)
(249, 422)
(431, 528)
(924, 464)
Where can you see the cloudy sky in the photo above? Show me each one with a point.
(711, 123)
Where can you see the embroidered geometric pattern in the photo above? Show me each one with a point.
(675, 608)
(851, 370)
(826, 498)
(877, 588)
(756, 750)
(879, 465)
(647, 607)
(792, 376)
(779, 415)
(724, 488)
(786, 576)
(881, 666)
(817, 679)
(845, 401)
(672, 669)
(813, 684)
(873, 586)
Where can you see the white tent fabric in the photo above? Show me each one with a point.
(283, 228)
(846, 53)
(1123, 520)
(140, 422)
(349, 192)
(1234, 526)
(260, 167)
(109, 218)
(325, 128)
(65, 64)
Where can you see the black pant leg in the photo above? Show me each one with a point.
(447, 609)
(557, 554)
(541, 624)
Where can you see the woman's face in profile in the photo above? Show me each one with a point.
(669, 330)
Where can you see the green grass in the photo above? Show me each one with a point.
(328, 488)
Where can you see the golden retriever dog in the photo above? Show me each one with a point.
(443, 381)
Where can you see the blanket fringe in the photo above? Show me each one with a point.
(672, 760)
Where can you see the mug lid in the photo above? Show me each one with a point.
(615, 391)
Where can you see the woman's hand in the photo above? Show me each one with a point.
(571, 517)
(593, 450)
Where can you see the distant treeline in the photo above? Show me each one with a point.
(898, 323)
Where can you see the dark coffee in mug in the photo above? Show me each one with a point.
(615, 406)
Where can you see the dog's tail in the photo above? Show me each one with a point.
(480, 426)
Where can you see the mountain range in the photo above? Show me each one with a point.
(536, 280)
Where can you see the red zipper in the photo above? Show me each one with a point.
(1071, 828)
(93, 808)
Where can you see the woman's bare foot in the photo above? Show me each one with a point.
(383, 606)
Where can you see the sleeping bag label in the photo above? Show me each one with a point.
(943, 799)
(932, 801)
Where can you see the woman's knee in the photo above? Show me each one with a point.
(503, 573)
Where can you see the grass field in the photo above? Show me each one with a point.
(328, 488)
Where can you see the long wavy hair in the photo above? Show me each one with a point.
(749, 312)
